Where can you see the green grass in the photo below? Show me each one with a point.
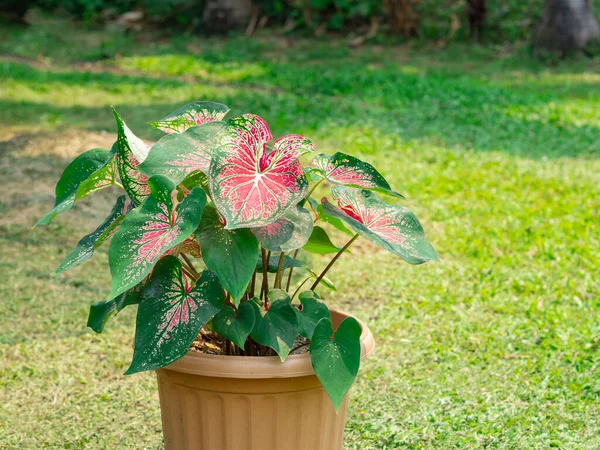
(498, 347)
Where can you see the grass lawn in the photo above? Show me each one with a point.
(498, 347)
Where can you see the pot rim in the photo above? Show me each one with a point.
(256, 367)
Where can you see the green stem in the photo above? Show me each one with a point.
(265, 274)
(299, 287)
(277, 283)
(332, 262)
(116, 183)
(314, 187)
(289, 280)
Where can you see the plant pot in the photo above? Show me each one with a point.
(214, 402)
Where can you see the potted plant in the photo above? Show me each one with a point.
(205, 240)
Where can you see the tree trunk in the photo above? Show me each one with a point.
(566, 26)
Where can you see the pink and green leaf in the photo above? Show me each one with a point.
(89, 172)
(289, 232)
(250, 185)
(191, 115)
(392, 227)
(346, 170)
(178, 155)
(131, 151)
(171, 313)
(156, 226)
(86, 246)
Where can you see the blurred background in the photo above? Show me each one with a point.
(484, 114)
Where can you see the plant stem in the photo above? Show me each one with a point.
(299, 346)
(190, 264)
(253, 284)
(116, 183)
(277, 282)
(265, 274)
(188, 273)
(299, 287)
(314, 187)
(289, 280)
(332, 262)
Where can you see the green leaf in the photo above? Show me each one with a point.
(324, 281)
(333, 221)
(277, 327)
(171, 314)
(230, 253)
(87, 173)
(392, 227)
(131, 151)
(147, 232)
(320, 243)
(287, 263)
(235, 325)
(289, 232)
(313, 310)
(336, 357)
(86, 246)
(100, 312)
(191, 115)
(347, 170)
(177, 155)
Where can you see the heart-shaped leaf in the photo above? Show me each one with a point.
(131, 151)
(336, 357)
(179, 154)
(86, 246)
(235, 325)
(171, 314)
(250, 185)
(277, 327)
(191, 115)
(347, 170)
(392, 227)
(157, 225)
(289, 232)
(273, 265)
(313, 310)
(100, 312)
(230, 253)
(320, 243)
(89, 172)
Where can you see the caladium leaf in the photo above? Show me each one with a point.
(347, 170)
(392, 227)
(100, 312)
(289, 232)
(178, 155)
(235, 325)
(230, 253)
(147, 232)
(333, 221)
(277, 327)
(131, 151)
(313, 310)
(86, 246)
(336, 357)
(273, 265)
(171, 314)
(89, 172)
(191, 115)
(320, 243)
(250, 186)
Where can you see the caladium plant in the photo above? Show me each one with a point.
(210, 228)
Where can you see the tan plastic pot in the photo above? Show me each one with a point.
(213, 402)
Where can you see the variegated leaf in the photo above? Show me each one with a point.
(86, 246)
(131, 151)
(172, 312)
(347, 170)
(156, 226)
(250, 185)
(191, 115)
(100, 312)
(393, 227)
(289, 232)
(89, 172)
(179, 154)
